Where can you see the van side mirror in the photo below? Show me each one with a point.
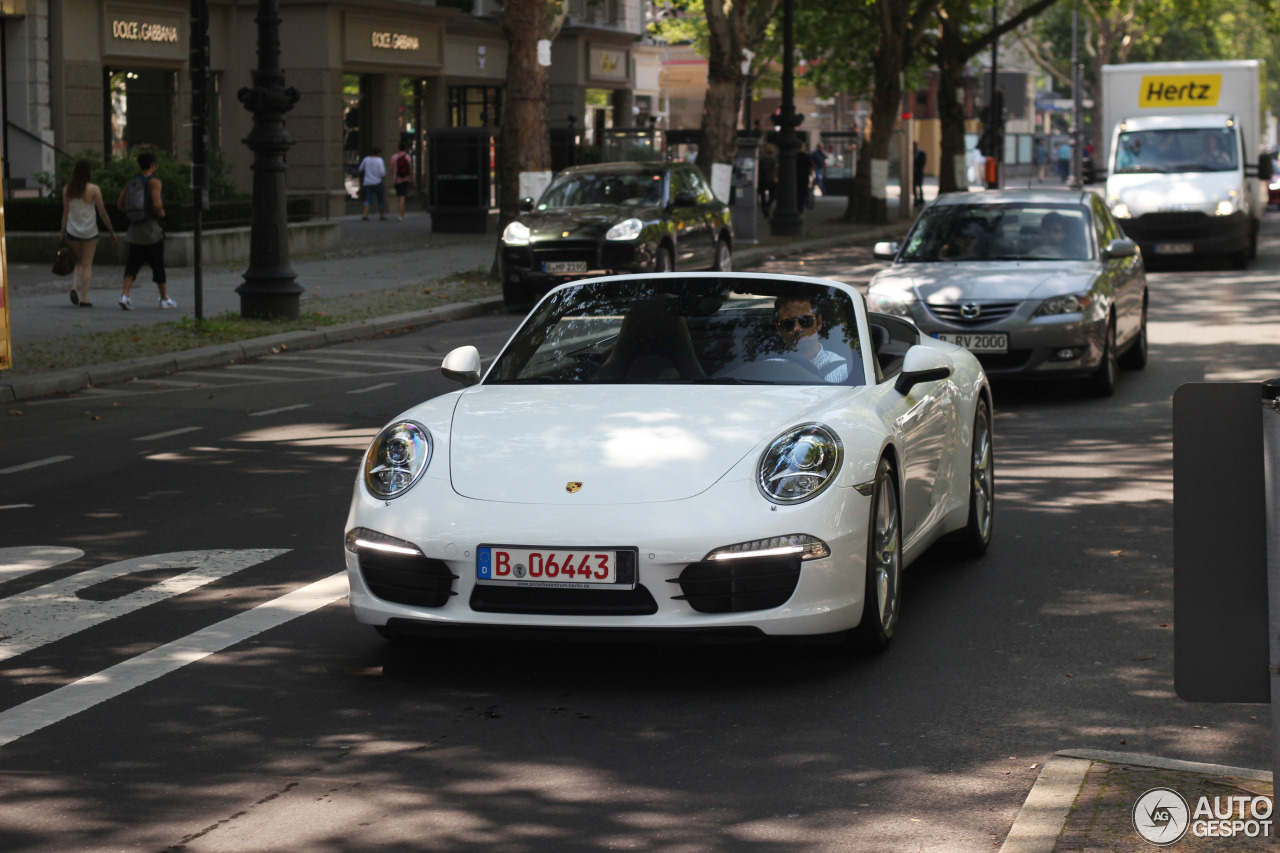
(922, 364)
(1266, 167)
(462, 365)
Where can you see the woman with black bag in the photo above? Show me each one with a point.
(81, 207)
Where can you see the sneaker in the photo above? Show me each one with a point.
(126, 303)
(75, 297)
(168, 303)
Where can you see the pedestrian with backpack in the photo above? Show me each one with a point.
(142, 202)
(402, 169)
(373, 172)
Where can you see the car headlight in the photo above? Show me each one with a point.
(1120, 210)
(627, 229)
(1070, 303)
(890, 302)
(799, 464)
(802, 545)
(1226, 207)
(516, 234)
(396, 459)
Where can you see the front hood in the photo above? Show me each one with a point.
(1156, 193)
(624, 443)
(1002, 281)
(581, 223)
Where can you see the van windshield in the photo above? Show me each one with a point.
(1202, 149)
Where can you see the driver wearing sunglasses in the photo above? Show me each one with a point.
(798, 323)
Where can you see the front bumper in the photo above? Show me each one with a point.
(1038, 347)
(1162, 235)
(674, 594)
(527, 265)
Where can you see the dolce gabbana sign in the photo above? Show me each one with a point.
(131, 31)
(409, 44)
(395, 41)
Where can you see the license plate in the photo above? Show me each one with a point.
(560, 568)
(1174, 248)
(564, 266)
(989, 342)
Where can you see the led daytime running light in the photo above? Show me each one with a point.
(808, 547)
(364, 538)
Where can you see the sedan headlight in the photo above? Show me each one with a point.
(627, 229)
(516, 234)
(1070, 303)
(890, 302)
(799, 464)
(1120, 210)
(396, 459)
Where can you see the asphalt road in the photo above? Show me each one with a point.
(222, 699)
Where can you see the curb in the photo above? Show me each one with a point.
(1044, 815)
(76, 379)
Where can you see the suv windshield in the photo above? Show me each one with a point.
(1183, 150)
(672, 330)
(1000, 232)
(610, 188)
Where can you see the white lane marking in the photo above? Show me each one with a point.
(170, 434)
(358, 362)
(279, 410)
(429, 355)
(37, 464)
(271, 368)
(16, 562)
(114, 681)
(52, 612)
(17, 506)
(378, 387)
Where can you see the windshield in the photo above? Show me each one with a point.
(1000, 232)
(674, 330)
(581, 190)
(1184, 150)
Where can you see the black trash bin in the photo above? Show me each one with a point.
(462, 166)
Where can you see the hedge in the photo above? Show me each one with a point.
(45, 214)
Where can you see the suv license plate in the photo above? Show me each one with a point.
(564, 266)
(1174, 248)
(990, 342)
(560, 568)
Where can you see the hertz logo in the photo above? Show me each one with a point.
(1180, 90)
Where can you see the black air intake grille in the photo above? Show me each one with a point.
(739, 586)
(402, 579)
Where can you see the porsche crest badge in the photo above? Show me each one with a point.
(572, 488)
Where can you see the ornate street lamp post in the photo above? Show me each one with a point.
(786, 218)
(269, 290)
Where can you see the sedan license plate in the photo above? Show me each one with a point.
(560, 568)
(564, 266)
(1174, 248)
(988, 342)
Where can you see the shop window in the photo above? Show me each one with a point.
(139, 109)
(355, 106)
(475, 106)
(413, 126)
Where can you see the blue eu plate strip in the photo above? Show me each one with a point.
(484, 563)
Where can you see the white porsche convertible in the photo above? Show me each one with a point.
(712, 454)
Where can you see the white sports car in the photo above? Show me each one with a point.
(714, 454)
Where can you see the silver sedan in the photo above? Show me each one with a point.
(1036, 283)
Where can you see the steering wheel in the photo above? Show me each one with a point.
(797, 358)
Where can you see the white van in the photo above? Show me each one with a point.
(1184, 156)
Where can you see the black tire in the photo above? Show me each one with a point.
(517, 296)
(1135, 357)
(664, 260)
(724, 257)
(976, 536)
(882, 590)
(1103, 382)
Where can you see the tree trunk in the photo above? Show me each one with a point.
(950, 121)
(886, 104)
(719, 121)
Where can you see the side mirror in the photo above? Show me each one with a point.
(685, 199)
(462, 365)
(922, 364)
(1121, 248)
(885, 251)
(526, 205)
(1266, 167)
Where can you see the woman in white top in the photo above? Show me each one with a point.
(81, 207)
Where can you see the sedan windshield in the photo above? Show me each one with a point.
(675, 330)
(1184, 150)
(611, 188)
(1000, 232)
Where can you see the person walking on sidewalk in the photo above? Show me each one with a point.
(373, 173)
(402, 170)
(142, 202)
(918, 160)
(81, 206)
